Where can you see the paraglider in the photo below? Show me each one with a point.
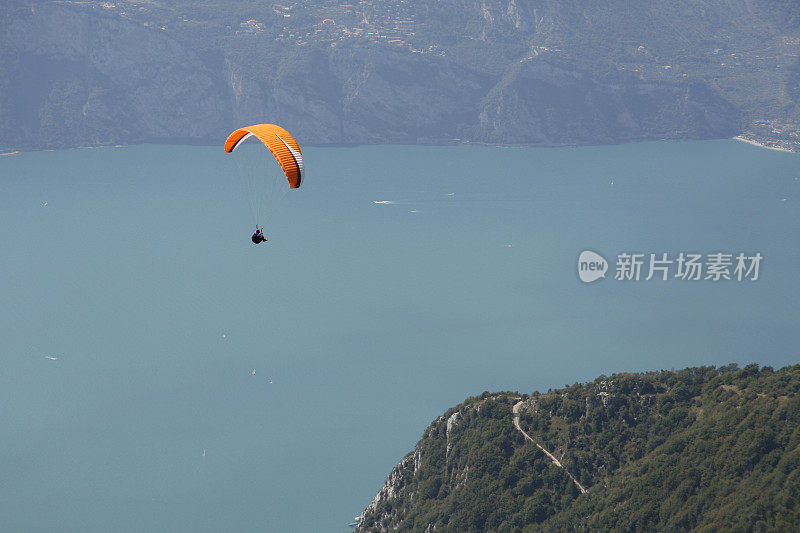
(286, 151)
(258, 236)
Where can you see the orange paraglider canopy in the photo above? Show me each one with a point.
(279, 142)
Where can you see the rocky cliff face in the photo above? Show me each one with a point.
(77, 79)
(541, 103)
(72, 76)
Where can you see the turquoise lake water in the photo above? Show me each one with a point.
(371, 319)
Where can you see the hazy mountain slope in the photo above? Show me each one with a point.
(498, 71)
(702, 447)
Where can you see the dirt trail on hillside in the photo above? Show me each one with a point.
(515, 411)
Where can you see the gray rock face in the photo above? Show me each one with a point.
(79, 79)
(395, 97)
(73, 77)
(538, 103)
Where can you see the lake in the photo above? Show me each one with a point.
(135, 308)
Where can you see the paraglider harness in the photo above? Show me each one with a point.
(258, 236)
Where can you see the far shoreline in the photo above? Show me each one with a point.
(753, 142)
(739, 138)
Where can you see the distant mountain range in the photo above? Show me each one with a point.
(703, 449)
(537, 72)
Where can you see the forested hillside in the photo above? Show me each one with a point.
(700, 448)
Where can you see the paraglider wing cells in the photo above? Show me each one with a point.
(280, 142)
